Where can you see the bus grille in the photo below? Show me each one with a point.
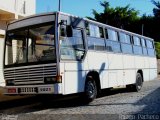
(30, 75)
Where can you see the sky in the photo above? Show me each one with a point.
(84, 8)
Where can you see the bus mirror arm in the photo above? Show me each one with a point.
(63, 22)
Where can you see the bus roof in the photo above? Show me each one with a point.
(32, 16)
(108, 26)
(85, 19)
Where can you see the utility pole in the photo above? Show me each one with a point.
(142, 29)
(59, 8)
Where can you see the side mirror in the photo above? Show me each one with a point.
(63, 30)
(69, 31)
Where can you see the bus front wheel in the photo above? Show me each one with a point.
(90, 90)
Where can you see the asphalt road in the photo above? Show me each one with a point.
(113, 104)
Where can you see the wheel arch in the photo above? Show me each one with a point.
(95, 76)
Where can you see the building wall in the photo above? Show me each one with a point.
(30, 7)
(12, 10)
(3, 25)
(7, 5)
(18, 6)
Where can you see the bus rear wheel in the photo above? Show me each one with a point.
(90, 90)
(139, 82)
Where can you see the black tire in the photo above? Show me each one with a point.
(139, 83)
(90, 92)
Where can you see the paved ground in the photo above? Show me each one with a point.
(114, 104)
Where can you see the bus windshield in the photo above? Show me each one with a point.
(30, 45)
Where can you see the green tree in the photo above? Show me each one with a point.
(156, 10)
(121, 17)
(157, 46)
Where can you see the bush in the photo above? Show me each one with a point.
(157, 46)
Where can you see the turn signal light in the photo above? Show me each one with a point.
(59, 79)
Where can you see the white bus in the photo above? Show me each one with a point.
(57, 53)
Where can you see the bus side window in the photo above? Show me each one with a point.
(87, 28)
(136, 41)
(112, 43)
(125, 43)
(96, 39)
(143, 41)
(101, 32)
(94, 30)
(149, 44)
(150, 48)
(106, 33)
(137, 48)
(128, 39)
(112, 35)
(124, 38)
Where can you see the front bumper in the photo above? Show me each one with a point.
(34, 89)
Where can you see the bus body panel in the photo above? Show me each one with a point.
(99, 64)
(129, 69)
(146, 70)
(139, 62)
(74, 77)
(115, 63)
(153, 68)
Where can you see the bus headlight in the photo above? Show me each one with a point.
(9, 82)
(52, 80)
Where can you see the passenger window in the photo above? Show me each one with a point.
(112, 35)
(87, 28)
(128, 39)
(143, 42)
(136, 41)
(96, 44)
(101, 32)
(106, 33)
(94, 31)
(113, 46)
(72, 48)
(149, 44)
(124, 38)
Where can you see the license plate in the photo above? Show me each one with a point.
(28, 90)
